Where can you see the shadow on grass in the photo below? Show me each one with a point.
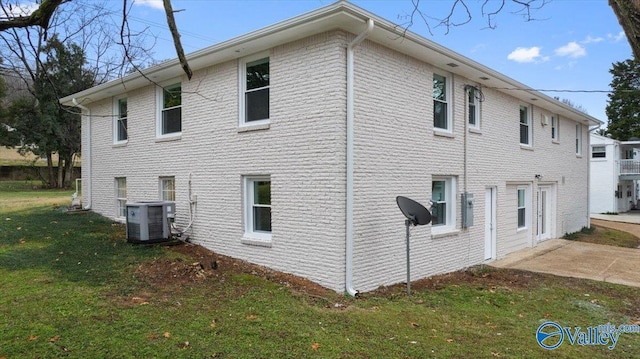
(80, 247)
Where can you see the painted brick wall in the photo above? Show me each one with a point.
(398, 152)
(303, 151)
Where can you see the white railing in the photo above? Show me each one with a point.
(629, 167)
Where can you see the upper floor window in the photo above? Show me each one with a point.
(598, 152)
(120, 121)
(441, 115)
(473, 96)
(168, 189)
(254, 82)
(555, 125)
(578, 139)
(170, 121)
(525, 126)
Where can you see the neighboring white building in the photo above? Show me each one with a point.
(292, 142)
(614, 172)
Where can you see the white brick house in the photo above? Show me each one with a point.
(297, 166)
(614, 174)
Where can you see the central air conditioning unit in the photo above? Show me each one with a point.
(150, 221)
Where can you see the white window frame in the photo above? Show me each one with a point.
(160, 109)
(242, 82)
(121, 201)
(476, 107)
(602, 149)
(528, 124)
(448, 102)
(167, 188)
(249, 194)
(451, 204)
(555, 127)
(526, 207)
(578, 139)
(117, 118)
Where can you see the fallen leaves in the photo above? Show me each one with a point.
(166, 335)
(54, 339)
(315, 346)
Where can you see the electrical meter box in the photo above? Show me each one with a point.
(467, 209)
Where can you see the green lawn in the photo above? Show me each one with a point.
(72, 287)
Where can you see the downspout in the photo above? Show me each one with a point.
(588, 155)
(86, 186)
(350, 134)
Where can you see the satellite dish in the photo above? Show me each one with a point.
(414, 211)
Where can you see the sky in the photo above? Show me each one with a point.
(567, 45)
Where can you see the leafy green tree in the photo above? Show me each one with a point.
(44, 126)
(623, 108)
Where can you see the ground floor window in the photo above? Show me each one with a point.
(522, 207)
(168, 189)
(258, 206)
(443, 195)
(121, 197)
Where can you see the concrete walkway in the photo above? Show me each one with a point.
(580, 260)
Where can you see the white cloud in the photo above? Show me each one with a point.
(523, 54)
(617, 38)
(156, 4)
(572, 49)
(590, 40)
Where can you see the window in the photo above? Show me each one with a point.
(598, 152)
(440, 103)
(170, 121)
(525, 126)
(554, 127)
(168, 189)
(578, 139)
(474, 107)
(443, 198)
(258, 207)
(120, 121)
(522, 207)
(121, 197)
(254, 81)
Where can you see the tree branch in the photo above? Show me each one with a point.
(171, 22)
(40, 17)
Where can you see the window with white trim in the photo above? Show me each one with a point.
(257, 206)
(598, 152)
(578, 139)
(254, 90)
(473, 103)
(168, 189)
(121, 197)
(170, 118)
(441, 95)
(525, 126)
(522, 207)
(443, 195)
(555, 125)
(120, 134)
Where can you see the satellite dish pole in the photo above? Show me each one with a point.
(417, 215)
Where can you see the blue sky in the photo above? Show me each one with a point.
(569, 44)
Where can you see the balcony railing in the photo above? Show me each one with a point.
(629, 167)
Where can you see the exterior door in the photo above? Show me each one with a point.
(545, 201)
(490, 223)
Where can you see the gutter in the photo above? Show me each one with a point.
(588, 155)
(86, 186)
(350, 149)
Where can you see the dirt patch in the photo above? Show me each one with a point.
(198, 265)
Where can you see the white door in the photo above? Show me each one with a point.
(545, 200)
(490, 223)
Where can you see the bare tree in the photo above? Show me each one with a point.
(628, 14)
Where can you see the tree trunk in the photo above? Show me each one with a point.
(628, 13)
(60, 181)
(51, 178)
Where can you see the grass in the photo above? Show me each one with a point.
(602, 235)
(72, 287)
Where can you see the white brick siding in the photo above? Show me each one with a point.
(303, 151)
